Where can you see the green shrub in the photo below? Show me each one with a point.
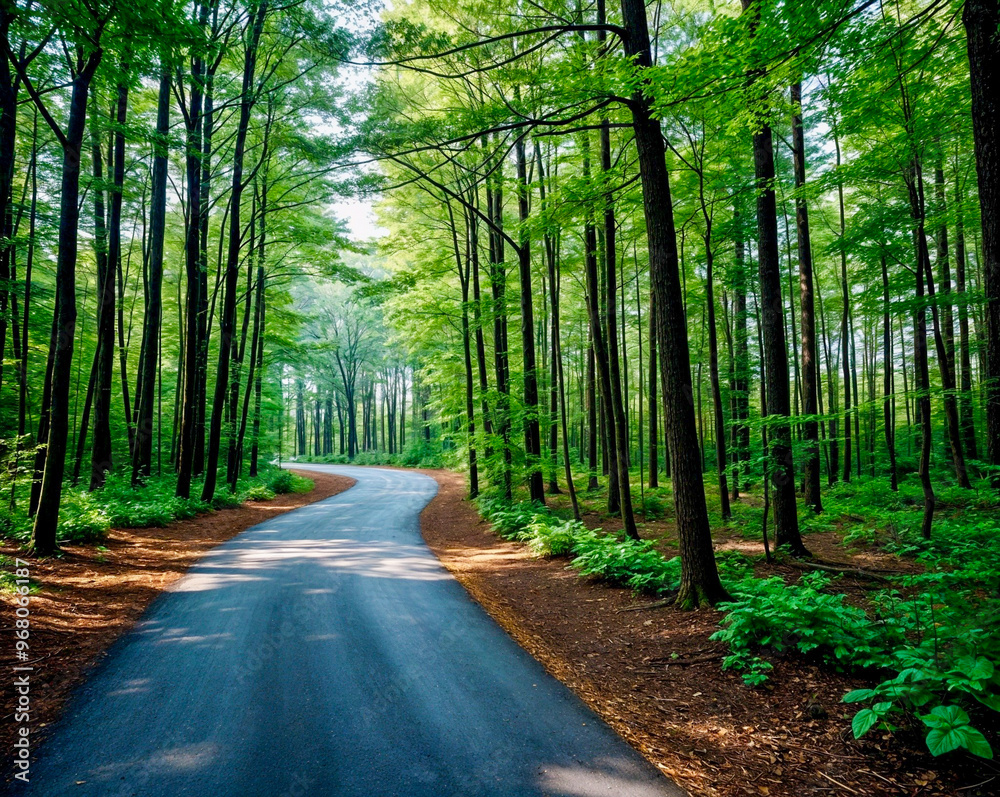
(81, 518)
(625, 562)
(282, 482)
(14, 524)
(780, 616)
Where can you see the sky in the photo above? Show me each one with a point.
(359, 215)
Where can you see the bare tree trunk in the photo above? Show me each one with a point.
(810, 385)
(228, 320)
(142, 459)
(60, 374)
(101, 454)
(654, 432)
(786, 521)
(887, 391)
(532, 430)
(189, 446)
(699, 575)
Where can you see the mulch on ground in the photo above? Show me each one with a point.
(655, 677)
(89, 596)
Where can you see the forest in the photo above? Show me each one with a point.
(700, 297)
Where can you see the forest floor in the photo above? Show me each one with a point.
(656, 677)
(89, 595)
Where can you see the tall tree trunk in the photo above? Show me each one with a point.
(592, 424)
(477, 315)
(101, 453)
(8, 140)
(498, 281)
(833, 460)
(786, 522)
(188, 444)
(944, 335)
(810, 385)
(552, 269)
(914, 185)
(845, 317)
(60, 376)
(740, 382)
(228, 320)
(713, 371)
(532, 430)
(115, 241)
(615, 370)
(699, 575)
(143, 455)
(887, 391)
(654, 432)
(464, 278)
(922, 385)
(964, 356)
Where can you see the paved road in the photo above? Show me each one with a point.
(327, 652)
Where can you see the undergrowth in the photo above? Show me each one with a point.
(87, 516)
(929, 640)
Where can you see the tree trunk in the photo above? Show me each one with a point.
(60, 376)
(713, 371)
(142, 459)
(115, 244)
(740, 382)
(887, 391)
(101, 453)
(966, 410)
(810, 385)
(615, 396)
(845, 318)
(8, 140)
(699, 575)
(654, 432)
(786, 522)
(922, 385)
(532, 431)
(498, 281)
(228, 320)
(190, 413)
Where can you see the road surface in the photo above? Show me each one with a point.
(327, 652)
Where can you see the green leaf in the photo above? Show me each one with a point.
(863, 722)
(976, 668)
(976, 744)
(945, 717)
(857, 695)
(989, 700)
(945, 740)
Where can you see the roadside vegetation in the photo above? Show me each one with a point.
(87, 515)
(921, 626)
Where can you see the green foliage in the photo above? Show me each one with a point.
(152, 504)
(802, 617)
(933, 648)
(86, 517)
(422, 454)
(609, 557)
(626, 562)
(283, 482)
(82, 518)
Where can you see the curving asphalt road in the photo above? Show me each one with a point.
(327, 652)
